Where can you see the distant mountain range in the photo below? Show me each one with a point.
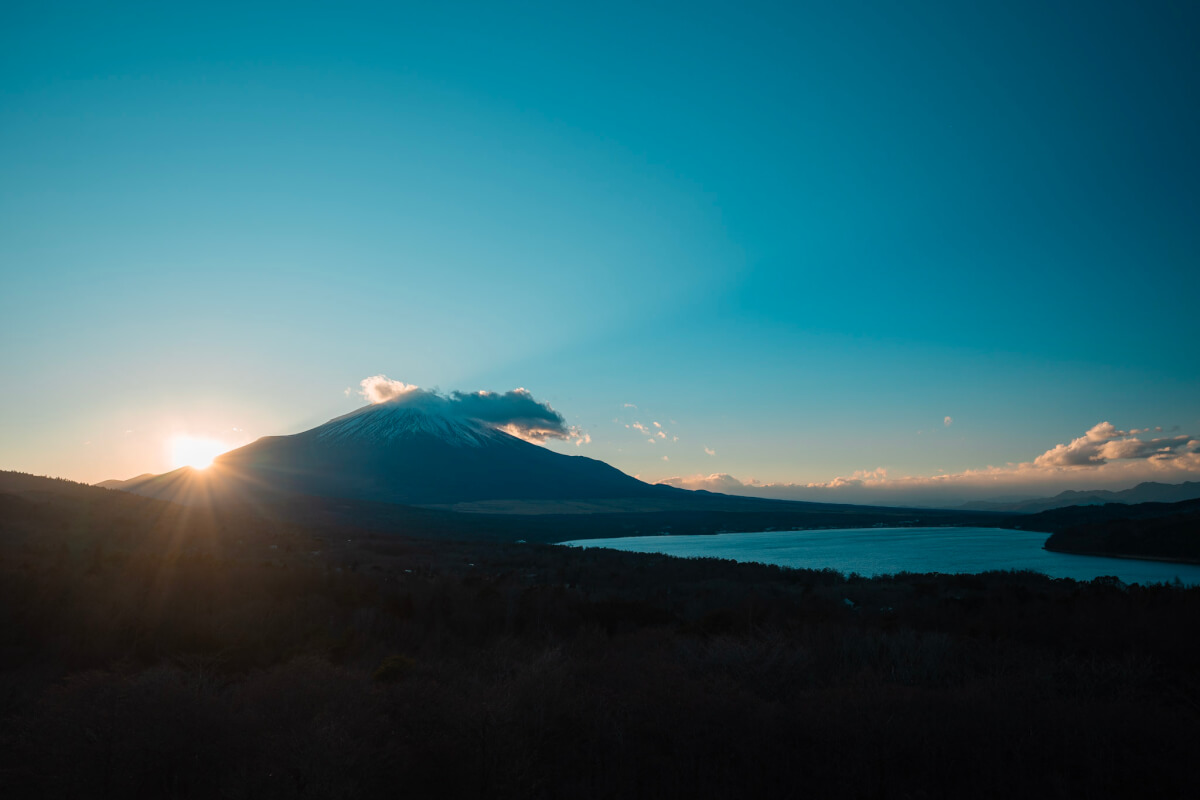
(1149, 492)
(403, 465)
(414, 466)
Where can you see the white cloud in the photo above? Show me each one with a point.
(662, 435)
(516, 412)
(710, 451)
(1104, 443)
(948, 421)
(716, 482)
(381, 388)
(658, 424)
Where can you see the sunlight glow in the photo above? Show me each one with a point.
(188, 451)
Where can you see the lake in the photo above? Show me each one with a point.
(886, 551)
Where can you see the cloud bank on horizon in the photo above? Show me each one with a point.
(515, 412)
(1103, 456)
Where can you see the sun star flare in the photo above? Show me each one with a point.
(195, 452)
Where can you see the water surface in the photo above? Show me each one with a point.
(886, 551)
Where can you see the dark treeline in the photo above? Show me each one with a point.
(153, 651)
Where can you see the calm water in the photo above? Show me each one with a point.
(884, 551)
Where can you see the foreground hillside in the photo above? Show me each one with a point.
(149, 650)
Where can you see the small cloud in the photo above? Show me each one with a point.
(717, 482)
(381, 388)
(674, 438)
(666, 458)
(948, 421)
(584, 439)
(710, 451)
(629, 405)
(856, 478)
(652, 441)
(637, 426)
(658, 424)
(662, 435)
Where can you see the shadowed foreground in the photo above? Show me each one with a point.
(151, 650)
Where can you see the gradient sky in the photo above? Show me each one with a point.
(798, 236)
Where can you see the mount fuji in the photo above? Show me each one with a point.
(412, 451)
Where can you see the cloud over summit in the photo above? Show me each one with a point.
(516, 411)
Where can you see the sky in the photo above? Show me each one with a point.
(845, 250)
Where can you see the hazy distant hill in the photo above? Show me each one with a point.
(1149, 492)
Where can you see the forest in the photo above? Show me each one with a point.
(153, 650)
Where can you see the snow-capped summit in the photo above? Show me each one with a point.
(391, 421)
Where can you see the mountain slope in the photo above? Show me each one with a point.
(403, 453)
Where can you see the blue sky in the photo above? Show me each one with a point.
(798, 237)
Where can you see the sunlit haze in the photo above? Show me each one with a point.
(188, 451)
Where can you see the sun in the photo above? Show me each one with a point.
(189, 451)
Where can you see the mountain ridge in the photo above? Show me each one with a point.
(1145, 492)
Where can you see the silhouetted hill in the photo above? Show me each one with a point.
(1148, 492)
(1167, 531)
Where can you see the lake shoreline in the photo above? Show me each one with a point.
(872, 552)
(1123, 556)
